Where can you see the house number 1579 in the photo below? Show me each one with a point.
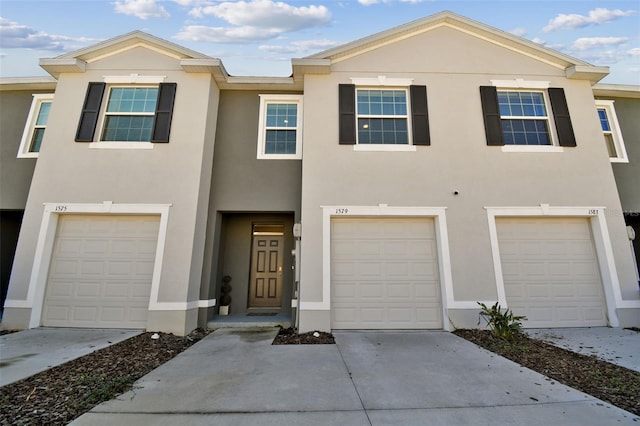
(342, 211)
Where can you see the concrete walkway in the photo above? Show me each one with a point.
(615, 345)
(237, 377)
(28, 352)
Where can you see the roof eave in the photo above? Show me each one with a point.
(617, 90)
(27, 83)
(56, 66)
(587, 72)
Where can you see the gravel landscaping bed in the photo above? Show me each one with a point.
(63, 393)
(616, 385)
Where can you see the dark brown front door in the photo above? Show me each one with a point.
(265, 288)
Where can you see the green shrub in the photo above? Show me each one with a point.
(503, 324)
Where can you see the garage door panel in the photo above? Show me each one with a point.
(101, 271)
(550, 271)
(384, 274)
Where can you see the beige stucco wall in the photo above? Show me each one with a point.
(15, 173)
(177, 173)
(453, 66)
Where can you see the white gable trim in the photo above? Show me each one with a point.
(409, 34)
(133, 46)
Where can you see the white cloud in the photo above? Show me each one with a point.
(634, 52)
(225, 35)
(143, 9)
(255, 20)
(300, 47)
(587, 43)
(371, 2)
(269, 14)
(17, 36)
(596, 16)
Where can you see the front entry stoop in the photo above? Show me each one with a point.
(249, 321)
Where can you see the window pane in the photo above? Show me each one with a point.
(282, 115)
(604, 121)
(133, 99)
(382, 102)
(43, 114)
(611, 146)
(128, 128)
(383, 131)
(280, 142)
(522, 104)
(525, 132)
(36, 141)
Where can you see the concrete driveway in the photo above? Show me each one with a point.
(28, 352)
(368, 378)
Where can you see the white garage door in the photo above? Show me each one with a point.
(384, 274)
(551, 272)
(101, 271)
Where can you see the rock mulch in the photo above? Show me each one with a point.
(616, 385)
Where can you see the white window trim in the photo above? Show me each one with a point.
(134, 79)
(551, 125)
(381, 80)
(121, 145)
(521, 85)
(601, 239)
(616, 134)
(262, 130)
(29, 128)
(442, 244)
(104, 114)
(386, 147)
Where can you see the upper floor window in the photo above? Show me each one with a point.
(383, 114)
(131, 115)
(611, 131)
(526, 116)
(35, 126)
(280, 127)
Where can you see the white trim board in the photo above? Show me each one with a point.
(601, 240)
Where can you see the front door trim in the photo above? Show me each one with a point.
(267, 240)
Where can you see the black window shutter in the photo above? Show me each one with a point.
(419, 115)
(90, 111)
(347, 109)
(566, 137)
(164, 112)
(491, 113)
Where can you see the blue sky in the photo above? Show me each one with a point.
(259, 37)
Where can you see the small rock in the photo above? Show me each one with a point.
(155, 336)
(316, 334)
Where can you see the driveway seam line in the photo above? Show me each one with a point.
(353, 383)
